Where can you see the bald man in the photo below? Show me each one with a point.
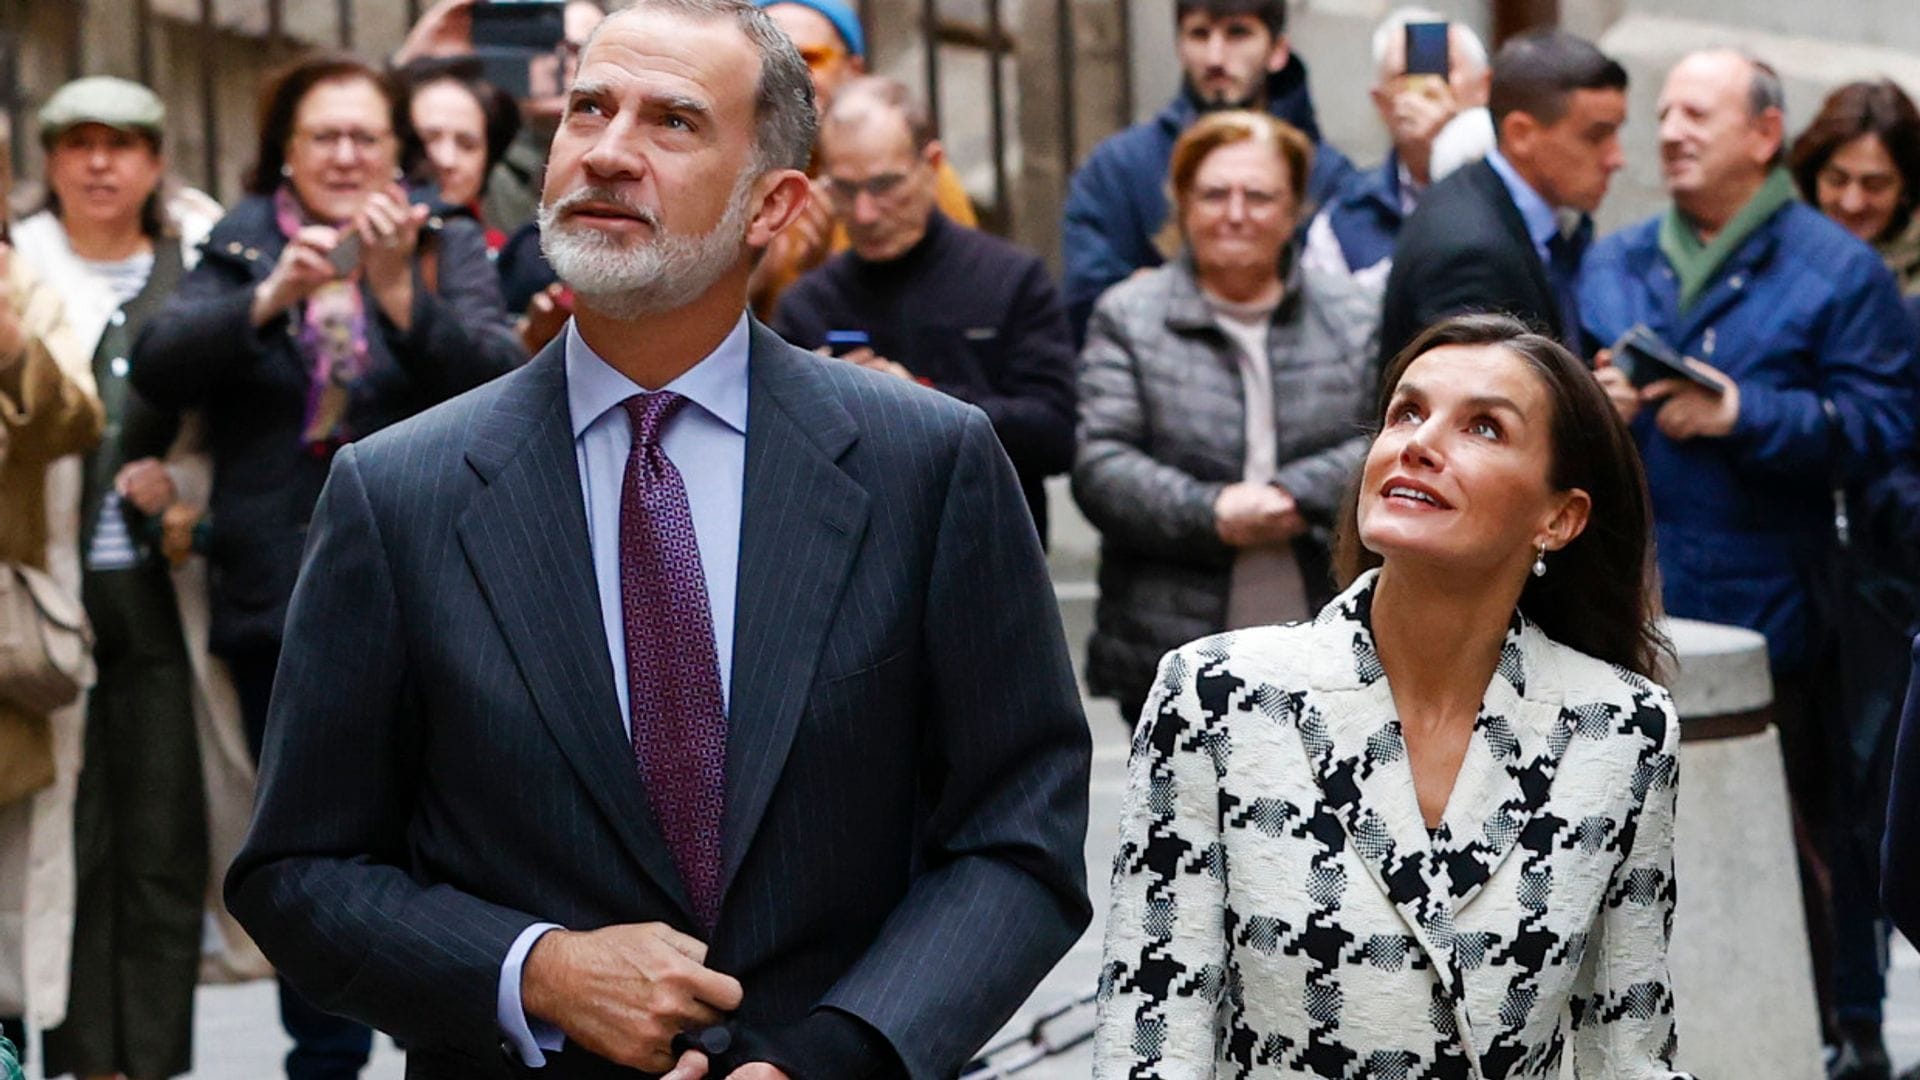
(1798, 327)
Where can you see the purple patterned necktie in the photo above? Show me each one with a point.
(673, 679)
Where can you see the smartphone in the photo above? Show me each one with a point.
(842, 342)
(1427, 49)
(1646, 359)
(511, 37)
(345, 254)
(532, 25)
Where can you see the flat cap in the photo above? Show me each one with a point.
(103, 99)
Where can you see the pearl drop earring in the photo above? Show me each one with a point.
(1540, 561)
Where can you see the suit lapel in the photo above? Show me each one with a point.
(1352, 736)
(802, 522)
(525, 535)
(1509, 767)
(1495, 190)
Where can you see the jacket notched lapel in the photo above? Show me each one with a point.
(525, 535)
(1509, 766)
(803, 519)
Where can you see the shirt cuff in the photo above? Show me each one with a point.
(529, 1036)
(828, 1044)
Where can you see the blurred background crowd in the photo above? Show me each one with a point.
(1165, 260)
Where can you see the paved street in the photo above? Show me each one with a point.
(239, 1034)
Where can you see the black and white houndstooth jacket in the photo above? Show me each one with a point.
(1281, 909)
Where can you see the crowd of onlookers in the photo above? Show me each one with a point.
(175, 377)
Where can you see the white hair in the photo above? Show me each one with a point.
(1393, 30)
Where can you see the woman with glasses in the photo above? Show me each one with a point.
(1223, 404)
(324, 308)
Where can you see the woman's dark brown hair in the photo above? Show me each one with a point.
(280, 102)
(1600, 594)
(499, 112)
(1879, 109)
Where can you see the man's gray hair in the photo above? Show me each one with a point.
(783, 115)
(1393, 29)
(1764, 91)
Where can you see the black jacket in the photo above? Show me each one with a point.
(974, 316)
(1465, 249)
(202, 351)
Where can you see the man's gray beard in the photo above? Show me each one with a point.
(648, 277)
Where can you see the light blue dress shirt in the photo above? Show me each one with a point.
(1543, 222)
(707, 442)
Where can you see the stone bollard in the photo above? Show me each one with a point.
(1742, 973)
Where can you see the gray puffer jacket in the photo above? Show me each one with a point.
(1162, 429)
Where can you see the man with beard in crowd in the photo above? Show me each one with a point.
(1233, 54)
(642, 708)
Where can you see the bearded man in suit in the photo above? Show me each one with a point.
(641, 712)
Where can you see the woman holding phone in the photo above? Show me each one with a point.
(325, 307)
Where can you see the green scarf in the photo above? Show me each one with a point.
(1694, 262)
(9, 1064)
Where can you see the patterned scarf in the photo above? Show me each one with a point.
(332, 341)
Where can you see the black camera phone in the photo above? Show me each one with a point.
(1427, 49)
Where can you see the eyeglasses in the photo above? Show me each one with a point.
(879, 187)
(329, 140)
(1258, 201)
(822, 56)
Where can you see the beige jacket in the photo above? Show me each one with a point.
(48, 416)
(226, 766)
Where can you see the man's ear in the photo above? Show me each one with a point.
(1517, 132)
(934, 154)
(1772, 126)
(1279, 55)
(781, 196)
(857, 64)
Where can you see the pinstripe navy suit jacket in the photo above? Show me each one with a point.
(445, 764)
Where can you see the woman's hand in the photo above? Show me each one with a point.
(303, 267)
(389, 228)
(547, 313)
(177, 525)
(1256, 515)
(147, 485)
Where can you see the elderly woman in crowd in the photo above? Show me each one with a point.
(459, 127)
(163, 738)
(1859, 162)
(1223, 400)
(1330, 826)
(48, 415)
(323, 309)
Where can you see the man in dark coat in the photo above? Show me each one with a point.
(682, 702)
(962, 311)
(1492, 237)
(1233, 55)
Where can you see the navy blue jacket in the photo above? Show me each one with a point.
(1808, 321)
(1365, 214)
(1117, 201)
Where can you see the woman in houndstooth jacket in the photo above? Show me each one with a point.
(1429, 834)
